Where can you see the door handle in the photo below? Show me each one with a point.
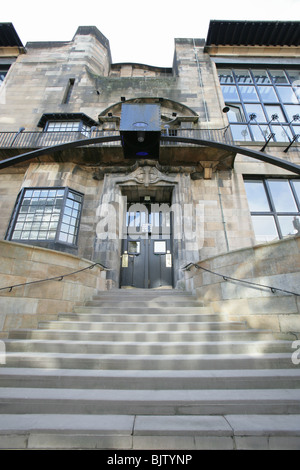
(125, 260)
(168, 259)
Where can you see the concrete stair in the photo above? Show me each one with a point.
(136, 369)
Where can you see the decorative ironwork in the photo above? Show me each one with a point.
(103, 139)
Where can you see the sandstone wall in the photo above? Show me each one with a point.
(25, 306)
(276, 264)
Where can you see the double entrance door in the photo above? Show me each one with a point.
(146, 260)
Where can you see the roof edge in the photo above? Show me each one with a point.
(9, 36)
(253, 33)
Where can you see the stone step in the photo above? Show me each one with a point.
(138, 369)
(137, 309)
(151, 348)
(150, 362)
(140, 326)
(143, 432)
(144, 303)
(112, 401)
(161, 294)
(125, 298)
(160, 335)
(132, 316)
(151, 379)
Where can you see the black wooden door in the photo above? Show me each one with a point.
(146, 260)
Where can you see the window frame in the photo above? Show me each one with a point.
(84, 124)
(83, 128)
(56, 241)
(268, 192)
(288, 129)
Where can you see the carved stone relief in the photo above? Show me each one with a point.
(147, 175)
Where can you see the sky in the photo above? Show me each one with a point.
(138, 31)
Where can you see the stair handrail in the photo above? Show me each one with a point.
(56, 278)
(229, 278)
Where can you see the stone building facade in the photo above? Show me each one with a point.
(222, 178)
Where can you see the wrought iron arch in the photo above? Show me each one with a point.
(98, 140)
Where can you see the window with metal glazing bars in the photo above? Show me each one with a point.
(263, 103)
(46, 215)
(68, 126)
(274, 204)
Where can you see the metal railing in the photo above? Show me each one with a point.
(34, 139)
(229, 278)
(28, 139)
(222, 135)
(56, 278)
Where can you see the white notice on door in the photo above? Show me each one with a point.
(160, 248)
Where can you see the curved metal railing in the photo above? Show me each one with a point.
(229, 278)
(56, 278)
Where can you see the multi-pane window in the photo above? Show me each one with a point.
(69, 227)
(275, 207)
(46, 214)
(68, 126)
(262, 103)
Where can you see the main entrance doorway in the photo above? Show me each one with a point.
(146, 260)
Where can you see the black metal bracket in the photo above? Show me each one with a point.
(291, 143)
(267, 141)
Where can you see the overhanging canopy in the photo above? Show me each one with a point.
(98, 140)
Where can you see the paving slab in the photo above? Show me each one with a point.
(73, 423)
(182, 425)
(265, 424)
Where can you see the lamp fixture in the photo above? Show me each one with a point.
(296, 117)
(140, 130)
(141, 136)
(252, 117)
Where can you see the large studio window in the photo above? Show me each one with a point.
(46, 215)
(262, 103)
(275, 207)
